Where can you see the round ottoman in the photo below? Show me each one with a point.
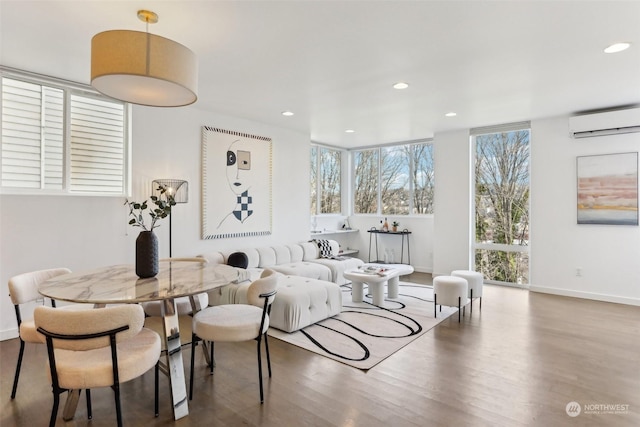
(475, 281)
(450, 291)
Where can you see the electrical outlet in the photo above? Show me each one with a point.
(579, 271)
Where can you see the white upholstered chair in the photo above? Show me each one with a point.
(450, 291)
(238, 322)
(23, 289)
(102, 347)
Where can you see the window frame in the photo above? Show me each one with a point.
(318, 190)
(411, 183)
(69, 89)
(497, 247)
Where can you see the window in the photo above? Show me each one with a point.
(61, 139)
(365, 194)
(325, 181)
(502, 203)
(395, 180)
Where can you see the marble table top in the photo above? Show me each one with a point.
(119, 283)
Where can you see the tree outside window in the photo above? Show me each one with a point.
(502, 206)
(325, 181)
(402, 176)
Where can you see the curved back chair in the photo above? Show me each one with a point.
(97, 348)
(23, 289)
(238, 322)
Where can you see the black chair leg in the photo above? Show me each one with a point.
(266, 346)
(116, 391)
(471, 302)
(435, 306)
(459, 309)
(193, 358)
(54, 410)
(213, 361)
(18, 366)
(260, 372)
(156, 391)
(89, 411)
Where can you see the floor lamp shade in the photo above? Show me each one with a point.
(143, 68)
(177, 188)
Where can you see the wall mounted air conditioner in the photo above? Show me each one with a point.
(607, 123)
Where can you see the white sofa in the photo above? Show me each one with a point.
(308, 285)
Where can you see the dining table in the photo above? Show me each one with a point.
(119, 284)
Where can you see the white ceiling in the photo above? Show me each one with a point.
(333, 63)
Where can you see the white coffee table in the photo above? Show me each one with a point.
(375, 280)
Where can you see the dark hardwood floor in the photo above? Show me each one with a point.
(518, 362)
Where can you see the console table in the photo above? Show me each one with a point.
(402, 234)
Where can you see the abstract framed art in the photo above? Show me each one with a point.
(608, 189)
(236, 184)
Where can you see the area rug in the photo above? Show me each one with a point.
(363, 334)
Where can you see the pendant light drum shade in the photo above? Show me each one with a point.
(143, 68)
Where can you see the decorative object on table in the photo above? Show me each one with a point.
(608, 189)
(147, 242)
(236, 199)
(176, 188)
(394, 226)
(143, 68)
(385, 226)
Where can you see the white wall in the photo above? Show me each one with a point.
(451, 202)
(608, 255)
(82, 232)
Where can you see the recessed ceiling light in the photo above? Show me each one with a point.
(349, 131)
(451, 114)
(400, 85)
(617, 47)
(287, 113)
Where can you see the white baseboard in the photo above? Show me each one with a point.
(8, 334)
(586, 295)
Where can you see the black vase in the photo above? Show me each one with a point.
(147, 254)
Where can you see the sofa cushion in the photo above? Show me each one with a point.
(283, 254)
(267, 257)
(311, 270)
(310, 251)
(296, 252)
(301, 302)
(339, 266)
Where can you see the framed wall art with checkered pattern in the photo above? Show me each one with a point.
(236, 184)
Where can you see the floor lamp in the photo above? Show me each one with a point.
(177, 188)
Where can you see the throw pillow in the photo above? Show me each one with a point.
(238, 259)
(325, 248)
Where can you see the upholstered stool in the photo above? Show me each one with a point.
(475, 281)
(450, 291)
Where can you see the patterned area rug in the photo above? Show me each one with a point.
(363, 335)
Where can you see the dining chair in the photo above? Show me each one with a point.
(153, 309)
(237, 322)
(23, 289)
(103, 347)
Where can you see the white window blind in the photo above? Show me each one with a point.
(97, 145)
(32, 130)
(62, 140)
